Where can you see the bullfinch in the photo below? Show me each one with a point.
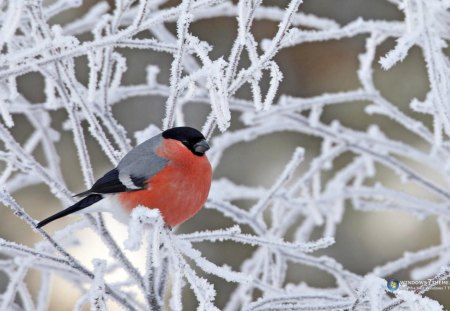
(169, 172)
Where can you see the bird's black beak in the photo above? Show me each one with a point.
(201, 147)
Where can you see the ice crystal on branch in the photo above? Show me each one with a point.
(291, 217)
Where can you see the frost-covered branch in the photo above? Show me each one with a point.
(280, 223)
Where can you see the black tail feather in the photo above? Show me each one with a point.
(87, 201)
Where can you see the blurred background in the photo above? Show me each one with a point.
(363, 240)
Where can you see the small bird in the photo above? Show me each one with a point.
(169, 172)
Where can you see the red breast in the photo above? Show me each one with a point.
(179, 190)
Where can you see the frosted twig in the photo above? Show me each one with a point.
(237, 87)
(97, 291)
(409, 259)
(176, 70)
(287, 173)
(9, 201)
(270, 52)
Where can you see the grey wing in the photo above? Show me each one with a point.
(140, 164)
(133, 171)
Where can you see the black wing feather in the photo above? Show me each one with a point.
(109, 183)
(139, 181)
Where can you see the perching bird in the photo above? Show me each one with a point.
(170, 172)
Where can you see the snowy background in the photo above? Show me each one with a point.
(329, 125)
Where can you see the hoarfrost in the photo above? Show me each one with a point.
(310, 195)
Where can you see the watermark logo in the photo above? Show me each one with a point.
(392, 285)
(413, 285)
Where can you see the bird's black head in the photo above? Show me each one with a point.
(190, 137)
